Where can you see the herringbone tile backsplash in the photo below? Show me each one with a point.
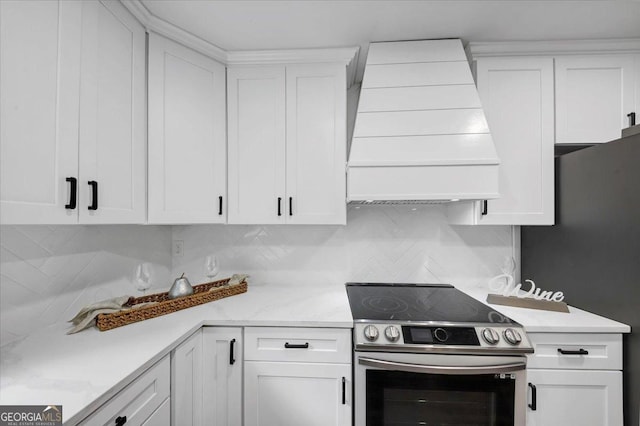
(392, 243)
(47, 273)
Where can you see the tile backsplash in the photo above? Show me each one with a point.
(401, 243)
(47, 273)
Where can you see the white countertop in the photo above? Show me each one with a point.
(539, 321)
(84, 370)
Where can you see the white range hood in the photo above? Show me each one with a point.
(420, 132)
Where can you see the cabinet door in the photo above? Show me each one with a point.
(160, 417)
(316, 144)
(39, 74)
(186, 382)
(517, 97)
(594, 94)
(574, 397)
(187, 135)
(292, 394)
(112, 116)
(222, 373)
(256, 125)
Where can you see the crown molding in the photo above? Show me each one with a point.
(541, 48)
(177, 34)
(346, 55)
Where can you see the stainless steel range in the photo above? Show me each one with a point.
(428, 354)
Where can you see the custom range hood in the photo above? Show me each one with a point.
(420, 132)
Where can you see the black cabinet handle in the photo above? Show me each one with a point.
(296, 346)
(220, 205)
(632, 119)
(290, 206)
(569, 352)
(344, 387)
(94, 196)
(120, 420)
(232, 343)
(73, 189)
(534, 397)
(484, 207)
(279, 206)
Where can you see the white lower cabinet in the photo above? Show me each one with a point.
(575, 379)
(222, 372)
(145, 401)
(288, 383)
(186, 382)
(575, 397)
(296, 393)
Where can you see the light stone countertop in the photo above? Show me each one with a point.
(82, 371)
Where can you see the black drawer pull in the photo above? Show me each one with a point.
(94, 196)
(344, 391)
(296, 346)
(632, 119)
(73, 189)
(232, 359)
(534, 397)
(120, 420)
(569, 352)
(484, 207)
(220, 205)
(279, 206)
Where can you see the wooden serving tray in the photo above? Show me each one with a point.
(202, 293)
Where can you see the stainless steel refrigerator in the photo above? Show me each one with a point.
(592, 253)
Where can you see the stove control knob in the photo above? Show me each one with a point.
(441, 335)
(512, 336)
(371, 333)
(392, 333)
(490, 336)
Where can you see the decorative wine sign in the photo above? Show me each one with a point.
(534, 298)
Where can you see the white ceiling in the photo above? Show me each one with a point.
(250, 25)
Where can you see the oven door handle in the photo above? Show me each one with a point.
(441, 369)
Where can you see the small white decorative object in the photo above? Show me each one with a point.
(504, 284)
(511, 294)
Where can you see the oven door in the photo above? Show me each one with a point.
(430, 389)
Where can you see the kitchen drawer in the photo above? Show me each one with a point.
(604, 351)
(138, 401)
(297, 344)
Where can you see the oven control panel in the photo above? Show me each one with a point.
(499, 338)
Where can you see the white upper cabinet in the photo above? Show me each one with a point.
(39, 81)
(316, 144)
(72, 112)
(594, 94)
(187, 135)
(287, 164)
(256, 106)
(517, 97)
(112, 116)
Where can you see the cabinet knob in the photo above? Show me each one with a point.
(120, 420)
(632, 119)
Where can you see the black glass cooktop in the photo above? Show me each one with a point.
(418, 302)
